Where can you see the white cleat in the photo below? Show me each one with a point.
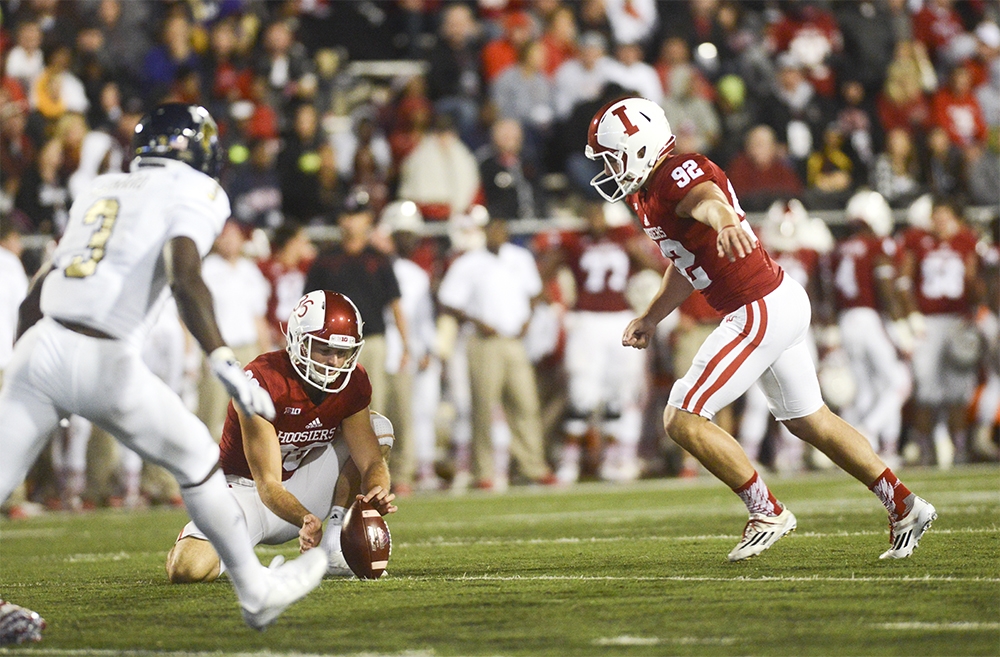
(287, 583)
(337, 565)
(761, 533)
(905, 533)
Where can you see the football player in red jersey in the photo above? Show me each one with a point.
(797, 244)
(602, 375)
(940, 267)
(864, 290)
(687, 205)
(284, 473)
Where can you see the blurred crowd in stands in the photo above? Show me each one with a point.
(474, 114)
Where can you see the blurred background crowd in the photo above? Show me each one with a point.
(393, 144)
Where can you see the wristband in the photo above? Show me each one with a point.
(223, 354)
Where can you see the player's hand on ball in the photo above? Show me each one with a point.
(245, 391)
(381, 499)
(638, 333)
(311, 533)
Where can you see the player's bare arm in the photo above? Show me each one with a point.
(674, 289)
(888, 289)
(194, 300)
(707, 204)
(404, 330)
(973, 283)
(367, 456)
(263, 452)
(194, 303)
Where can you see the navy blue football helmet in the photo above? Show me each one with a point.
(178, 131)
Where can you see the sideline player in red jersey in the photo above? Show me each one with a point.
(864, 293)
(602, 375)
(941, 282)
(284, 472)
(688, 206)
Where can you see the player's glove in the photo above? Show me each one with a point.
(247, 393)
(19, 625)
(902, 336)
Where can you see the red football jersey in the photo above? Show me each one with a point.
(801, 264)
(854, 262)
(601, 268)
(940, 276)
(299, 423)
(691, 245)
(287, 285)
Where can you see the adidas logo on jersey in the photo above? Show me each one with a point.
(315, 424)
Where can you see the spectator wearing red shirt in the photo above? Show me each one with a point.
(500, 54)
(935, 25)
(955, 109)
(559, 40)
(813, 36)
(291, 256)
(230, 78)
(758, 173)
(902, 103)
(413, 117)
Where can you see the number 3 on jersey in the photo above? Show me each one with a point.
(104, 212)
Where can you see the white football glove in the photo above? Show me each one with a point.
(247, 393)
(902, 336)
(917, 324)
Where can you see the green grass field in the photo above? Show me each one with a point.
(593, 570)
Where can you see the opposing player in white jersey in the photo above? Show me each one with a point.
(688, 206)
(129, 236)
(284, 471)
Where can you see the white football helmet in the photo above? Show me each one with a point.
(402, 216)
(324, 318)
(629, 136)
(783, 227)
(871, 208)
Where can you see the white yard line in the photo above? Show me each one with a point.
(270, 550)
(627, 640)
(692, 578)
(960, 626)
(84, 652)
(955, 503)
(442, 542)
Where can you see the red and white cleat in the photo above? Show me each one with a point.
(761, 532)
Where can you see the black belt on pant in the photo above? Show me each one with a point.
(85, 330)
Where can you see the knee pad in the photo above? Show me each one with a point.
(383, 429)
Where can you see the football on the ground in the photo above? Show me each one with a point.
(365, 541)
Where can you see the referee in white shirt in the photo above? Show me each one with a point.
(493, 288)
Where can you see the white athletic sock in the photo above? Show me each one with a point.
(331, 535)
(215, 511)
